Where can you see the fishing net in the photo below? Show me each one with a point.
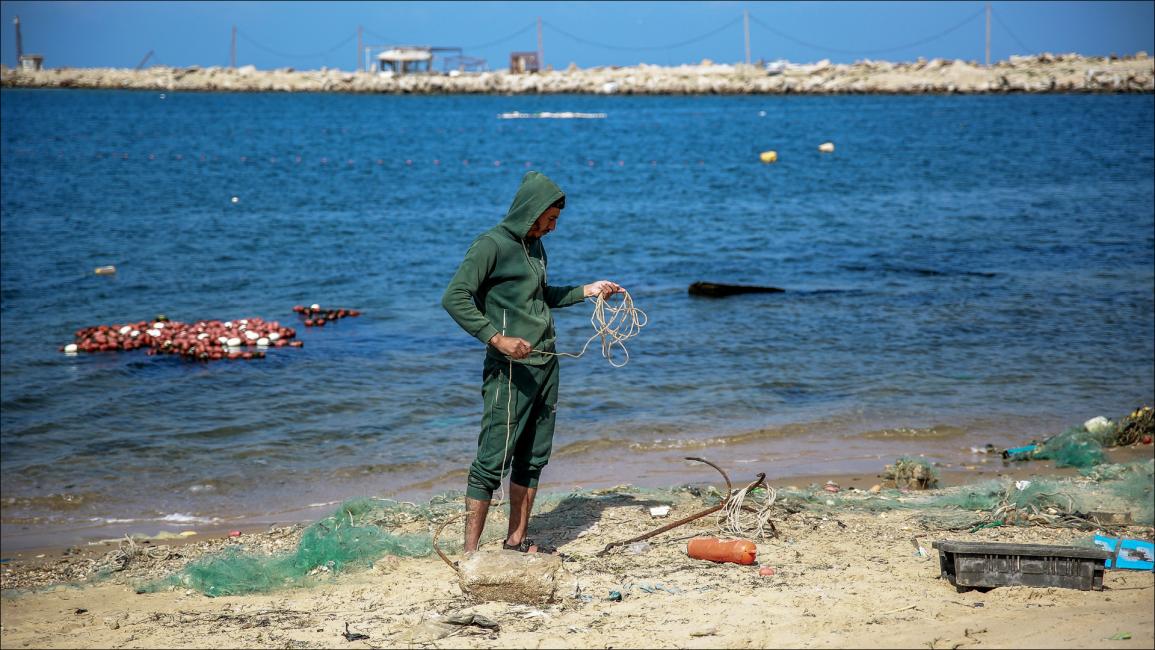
(1075, 447)
(1135, 486)
(1054, 503)
(359, 533)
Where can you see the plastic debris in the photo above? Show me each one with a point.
(658, 512)
(1099, 425)
(1135, 554)
(738, 551)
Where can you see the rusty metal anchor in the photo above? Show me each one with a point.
(760, 480)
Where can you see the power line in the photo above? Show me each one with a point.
(502, 39)
(1026, 50)
(296, 56)
(636, 48)
(884, 50)
(383, 39)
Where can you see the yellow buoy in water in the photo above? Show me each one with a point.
(826, 147)
(768, 156)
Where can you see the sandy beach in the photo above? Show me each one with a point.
(843, 577)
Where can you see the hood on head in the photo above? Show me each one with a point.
(536, 194)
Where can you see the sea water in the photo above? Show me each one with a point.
(959, 270)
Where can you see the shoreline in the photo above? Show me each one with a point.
(951, 475)
(791, 455)
(845, 577)
(1038, 74)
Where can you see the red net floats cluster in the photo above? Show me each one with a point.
(317, 317)
(206, 340)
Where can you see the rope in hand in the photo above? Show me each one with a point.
(613, 324)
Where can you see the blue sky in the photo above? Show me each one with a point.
(309, 35)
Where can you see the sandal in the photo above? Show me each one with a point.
(528, 543)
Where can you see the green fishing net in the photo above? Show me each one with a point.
(362, 531)
(1075, 447)
(1038, 501)
(358, 533)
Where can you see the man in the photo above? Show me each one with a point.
(501, 295)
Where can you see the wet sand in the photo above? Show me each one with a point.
(851, 454)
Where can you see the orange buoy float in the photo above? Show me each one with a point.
(738, 551)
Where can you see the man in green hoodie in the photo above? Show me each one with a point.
(501, 296)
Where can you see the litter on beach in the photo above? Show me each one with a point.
(970, 565)
(1132, 554)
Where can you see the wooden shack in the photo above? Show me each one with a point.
(522, 62)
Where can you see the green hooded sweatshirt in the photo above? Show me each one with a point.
(502, 286)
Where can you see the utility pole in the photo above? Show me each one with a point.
(233, 50)
(19, 41)
(988, 34)
(746, 30)
(540, 53)
(360, 66)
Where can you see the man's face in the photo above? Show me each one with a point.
(544, 224)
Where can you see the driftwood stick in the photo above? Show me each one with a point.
(683, 521)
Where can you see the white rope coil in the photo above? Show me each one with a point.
(741, 521)
(614, 325)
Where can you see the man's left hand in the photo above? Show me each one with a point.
(603, 288)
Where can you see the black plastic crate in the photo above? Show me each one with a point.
(978, 565)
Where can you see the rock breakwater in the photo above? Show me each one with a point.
(1044, 73)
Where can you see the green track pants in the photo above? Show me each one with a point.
(516, 426)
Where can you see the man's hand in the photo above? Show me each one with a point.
(511, 346)
(603, 288)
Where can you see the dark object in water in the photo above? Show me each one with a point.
(715, 290)
(983, 565)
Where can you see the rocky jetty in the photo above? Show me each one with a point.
(1043, 73)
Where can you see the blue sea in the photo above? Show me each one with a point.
(960, 270)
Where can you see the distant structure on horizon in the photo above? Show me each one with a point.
(418, 59)
(26, 62)
(521, 62)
